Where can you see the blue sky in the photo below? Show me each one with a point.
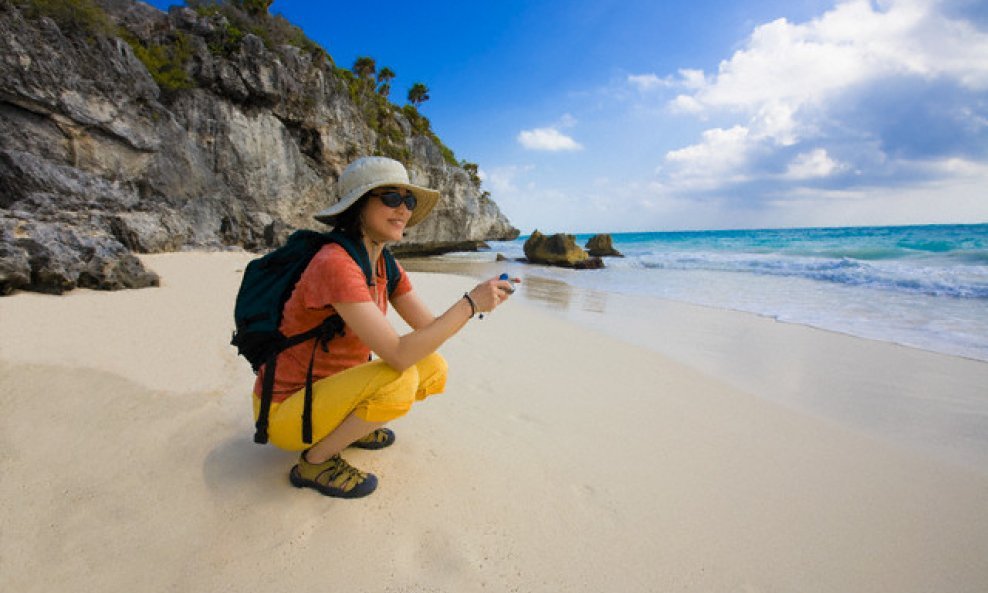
(609, 116)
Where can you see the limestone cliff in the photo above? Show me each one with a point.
(98, 160)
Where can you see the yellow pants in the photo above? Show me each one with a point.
(373, 391)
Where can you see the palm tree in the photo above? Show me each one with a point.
(418, 94)
(384, 78)
(364, 67)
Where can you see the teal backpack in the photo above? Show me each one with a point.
(267, 284)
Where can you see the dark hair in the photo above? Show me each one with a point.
(348, 221)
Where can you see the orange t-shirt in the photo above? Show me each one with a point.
(331, 277)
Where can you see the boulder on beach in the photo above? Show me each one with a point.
(602, 246)
(559, 250)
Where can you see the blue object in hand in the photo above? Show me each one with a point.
(508, 278)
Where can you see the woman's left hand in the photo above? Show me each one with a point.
(488, 295)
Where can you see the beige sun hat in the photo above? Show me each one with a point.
(367, 173)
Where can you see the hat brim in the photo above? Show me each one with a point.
(427, 200)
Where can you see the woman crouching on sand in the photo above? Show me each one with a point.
(352, 398)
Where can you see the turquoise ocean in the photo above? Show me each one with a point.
(919, 286)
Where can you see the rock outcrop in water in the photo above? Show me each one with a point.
(602, 246)
(231, 141)
(559, 250)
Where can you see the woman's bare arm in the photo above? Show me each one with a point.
(415, 312)
(401, 352)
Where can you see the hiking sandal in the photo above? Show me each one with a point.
(378, 439)
(334, 477)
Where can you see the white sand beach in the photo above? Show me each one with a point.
(561, 458)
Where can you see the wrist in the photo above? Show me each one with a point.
(470, 301)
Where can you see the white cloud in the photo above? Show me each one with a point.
(875, 82)
(722, 155)
(686, 104)
(646, 82)
(941, 201)
(801, 65)
(503, 180)
(776, 121)
(692, 79)
(688, 79)
(812, 165)
(549, 139)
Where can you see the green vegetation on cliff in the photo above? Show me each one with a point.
(166, 62)
(238, 18)
(80, 16)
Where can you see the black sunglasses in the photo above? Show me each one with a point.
(393, 199)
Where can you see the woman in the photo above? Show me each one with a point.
(354, 398)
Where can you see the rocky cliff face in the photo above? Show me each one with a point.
(97, 161)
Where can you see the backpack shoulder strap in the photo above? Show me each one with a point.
(356, 250)
(392, 270)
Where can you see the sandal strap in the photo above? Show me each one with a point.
(339, 474)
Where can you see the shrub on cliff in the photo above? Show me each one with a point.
(165, 62)
(80, 16)
(251, 16)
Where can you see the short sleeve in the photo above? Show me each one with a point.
(332, 277)
(404, 284)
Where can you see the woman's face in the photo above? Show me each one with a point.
(383, 223)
